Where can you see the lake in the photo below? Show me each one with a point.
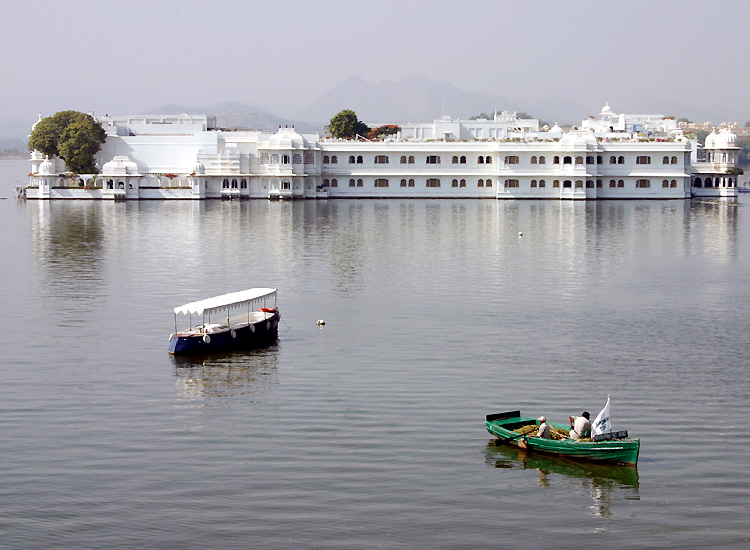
(369, 431)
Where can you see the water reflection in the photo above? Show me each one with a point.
(604, 482)
(225, 376)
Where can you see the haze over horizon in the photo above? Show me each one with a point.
(130, 58)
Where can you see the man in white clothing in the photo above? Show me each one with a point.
(580, 426)
(544, 429)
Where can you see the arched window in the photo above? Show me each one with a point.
(480, 160)
(454, 183)
(480, 183)
(359, 159)
(612, 183)
(599, 159)
(352, 183)
(589, 184)
(612, 160)
(579, 160)
(556, 183)
(381, 159)
(599, 183)
(403, 159)
(556, 160)
(411, 183)
(589, 159)
(643, 159)
(454, 161)
(674, 160)
(620, 160)
(642, 184)
(326, 159)
(285, 159)
(352, 160)
(673, 183)
(542, 183)
(433, 182)
(567, 184)
(403, 182)
(462, 183)
(533, 161)
(234, 184)
(360, 183)
(510, 159)
(620, 183)
(225, 184)
(512, 183)
(334, 182)
(411, 159)
(488, 183)
(243, 183)
(665, 160)
(381, 182)
(568, 160)
(488, 160)
(462, 160)
(326, 183)
(665, 183)
(697, 183)
(533, 183)
(542, 160)
(334, 160)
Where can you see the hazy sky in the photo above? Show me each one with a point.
(131, 56)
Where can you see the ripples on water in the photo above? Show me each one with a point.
(369, 432)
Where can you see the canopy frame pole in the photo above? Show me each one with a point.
(175, 323)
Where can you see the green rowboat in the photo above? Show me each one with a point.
(621, 451)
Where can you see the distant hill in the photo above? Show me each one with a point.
(409, 100)
(234, 115)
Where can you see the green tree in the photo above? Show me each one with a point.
(683, 119)
(346, 125)
(74, 137)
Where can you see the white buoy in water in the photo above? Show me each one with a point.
(321, 322)
(520, 234)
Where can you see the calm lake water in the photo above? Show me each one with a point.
(369, 432)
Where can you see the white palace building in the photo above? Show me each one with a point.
(611, 156)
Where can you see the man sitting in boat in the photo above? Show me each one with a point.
(544, 429)
(580, 426)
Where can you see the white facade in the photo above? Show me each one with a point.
(610, 157)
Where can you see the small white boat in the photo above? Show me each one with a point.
(228, 322)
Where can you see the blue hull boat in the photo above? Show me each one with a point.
(228, 322)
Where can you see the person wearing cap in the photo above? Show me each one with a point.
(580, 426)
(544, 429)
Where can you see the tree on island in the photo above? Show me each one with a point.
(74, 137)
(347, 125)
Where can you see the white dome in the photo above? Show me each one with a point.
(286, 138)
(556, 130)
(726, 138)
(120, 166)
(47, 167)
(710, 140)
(578, 138)
(199, 169)
(607, 110)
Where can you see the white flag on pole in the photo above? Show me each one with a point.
(601, 423)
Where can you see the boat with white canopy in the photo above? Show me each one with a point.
(228, 322)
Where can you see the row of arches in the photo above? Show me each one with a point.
(715, 182)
